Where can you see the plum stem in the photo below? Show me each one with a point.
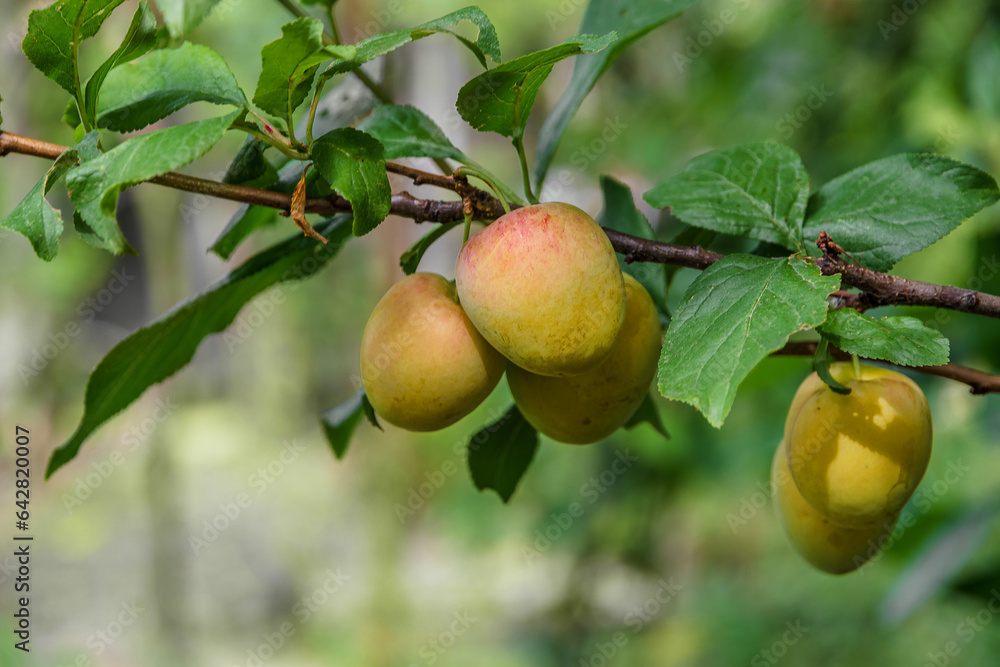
(467, 211)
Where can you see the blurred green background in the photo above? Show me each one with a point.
(209, 524)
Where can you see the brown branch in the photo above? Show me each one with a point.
(882, 289)
(485, 206)
(636, 249)
(420, 177)
(979, 382)
(879, 289)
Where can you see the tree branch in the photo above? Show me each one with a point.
(484, 205)
(636, 249)
(978, 381)
(880, 289)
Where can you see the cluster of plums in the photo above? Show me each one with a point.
(539, 294)
(848, 463)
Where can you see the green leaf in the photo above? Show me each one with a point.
(757, 191)
(246, 220)
(631, 19)
(71, 114)
(900, 340)
(288, 66)
(648, 414)
(500, 453)
(942, 556)
(620, 213)
(893, 207)
(88, 235)
(352, 163)
(36, 219)
(53, 30)
(140, 38)
(500, 100)
(405, 131)
(486, 45)
(339, 422)
(94, 185)
(410, 259)
(369, 411)
(183, 16)
(157, 351)
(249, 163)
(733, 315)
(138, 94)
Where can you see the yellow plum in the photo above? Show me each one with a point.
(591, 405)
(827, 546)
(424, 365)
(857, 458)
(542, 285)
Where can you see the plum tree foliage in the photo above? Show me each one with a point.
(539, 292)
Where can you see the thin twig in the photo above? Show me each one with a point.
(636, 249)
(979, 382)
(420, 177)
